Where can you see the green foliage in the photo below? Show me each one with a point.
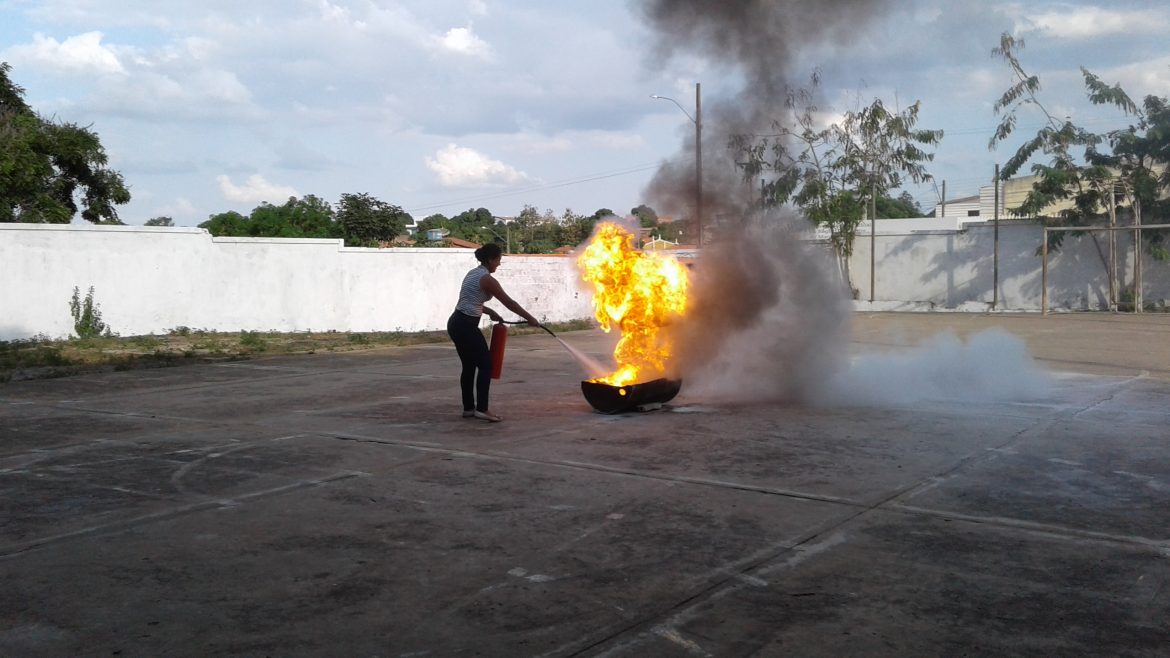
(675, 231)
(366, 221)
(473, 224)
(363, 220)
(252, 341)
(1134, 170)
(647, 218)
(832, 173)
(47, 169)
(903, 206)
(160, 221)
(42, 357)
(87, 315)
(145, 342)
(230, 223)
(308, 217)
(37, 352)
(535, 232)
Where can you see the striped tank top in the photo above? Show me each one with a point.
(471, 293)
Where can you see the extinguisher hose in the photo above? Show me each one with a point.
(526, 322)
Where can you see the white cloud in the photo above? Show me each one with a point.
(176, 95)
(463, 41)
(459, 166)
(1091, 22)
(1149, 77)
(255, 190)
(80, 54)
(478, 7)
(181, 209)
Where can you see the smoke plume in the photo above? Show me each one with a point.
(753, 40)
(768, 318)
(991, 366)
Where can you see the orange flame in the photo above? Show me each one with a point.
(639, 293)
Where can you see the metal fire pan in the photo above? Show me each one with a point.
(609, 399)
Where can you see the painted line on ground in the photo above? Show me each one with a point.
(14, 550)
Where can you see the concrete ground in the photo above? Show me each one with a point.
(338, 505)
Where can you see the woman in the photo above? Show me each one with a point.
(463, 326)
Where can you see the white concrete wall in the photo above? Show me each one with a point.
(152, 279)
(955, 269)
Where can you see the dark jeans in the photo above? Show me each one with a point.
(473, 354)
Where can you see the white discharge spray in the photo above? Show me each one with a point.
(592, 367)
(991, 366)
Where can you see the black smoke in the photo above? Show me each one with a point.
(768, 317)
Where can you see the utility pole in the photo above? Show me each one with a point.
(871, 210)
(698, 121)
(508, 233)
(699, 162)
(1112, 246)
(1137, 253)
(995, 259)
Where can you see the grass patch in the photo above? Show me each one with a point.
(42, 358)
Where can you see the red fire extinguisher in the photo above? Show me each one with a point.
(499, 339)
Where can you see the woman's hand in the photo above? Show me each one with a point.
(532, 322)
(496, 317)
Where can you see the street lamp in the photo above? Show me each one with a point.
(698, 121)
(507, 240)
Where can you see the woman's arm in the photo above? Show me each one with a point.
(490, 285)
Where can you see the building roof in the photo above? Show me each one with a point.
(461, 243)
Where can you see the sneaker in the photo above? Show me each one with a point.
(468, 413)
(488, 416)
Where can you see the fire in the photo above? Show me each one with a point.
(637, 292)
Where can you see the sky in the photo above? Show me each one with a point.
(439, 106)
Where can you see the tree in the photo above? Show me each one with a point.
(367, 221)
(674, 231)
(833, 173)
(524, 226)
(1063, 177)
(646, 216)
(1140, 152)
(160, 221)
(893, 208)
(230, 224)
(1077, 172)
(48, 168)
(576, 229)
(437, 220)
(470, 224)
(308, 217)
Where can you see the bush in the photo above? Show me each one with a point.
(252, 341)
(87, 316)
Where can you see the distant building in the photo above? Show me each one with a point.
(659, 244)
(1012, 193)
(968, 206)
(461, 243)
